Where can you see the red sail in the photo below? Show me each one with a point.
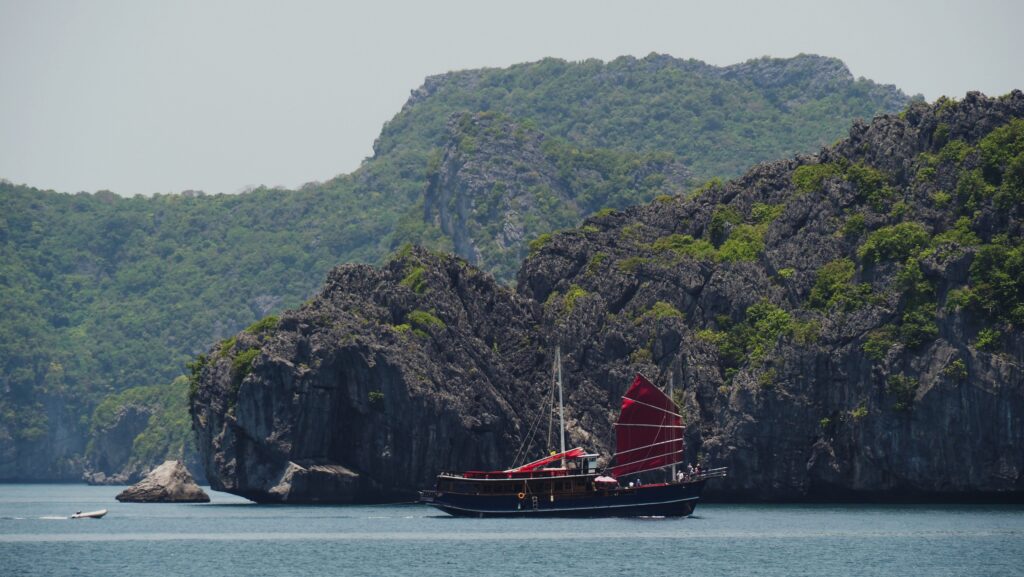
(649, 433)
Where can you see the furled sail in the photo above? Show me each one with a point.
(649, 434)
(553, 458)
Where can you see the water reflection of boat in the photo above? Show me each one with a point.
(90, 515)
(649, 439)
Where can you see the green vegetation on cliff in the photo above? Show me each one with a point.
(104, 293)
(167, 434)
(866, 252)
(719, 120)
(845, 339)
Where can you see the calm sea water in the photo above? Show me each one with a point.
(231, 536)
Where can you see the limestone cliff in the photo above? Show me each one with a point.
(111, 448)
(384, 378)
(819, 311)
(498, 184)
(841, 326)
(138, 429)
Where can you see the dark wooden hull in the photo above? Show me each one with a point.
(658, 500)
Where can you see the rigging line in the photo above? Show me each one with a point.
(651, 448)
(522, 444)
(654, 468)
(679, 440)
(652, 406)
(646, 425)
(524, 448)
(649, 458)
(529, 437)
(551, 407)
(533, 437)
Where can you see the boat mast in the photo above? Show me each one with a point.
(561, 408)
(671, 382)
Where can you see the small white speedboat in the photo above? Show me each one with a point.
(90, 514)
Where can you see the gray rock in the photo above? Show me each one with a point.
(107, 460)
(168, 483)
(392, 375)
(496, 179)
(370, 389)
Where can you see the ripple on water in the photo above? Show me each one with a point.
(229, 536)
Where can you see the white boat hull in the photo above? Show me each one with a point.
(90, 515)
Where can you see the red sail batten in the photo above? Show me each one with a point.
(659, 441)
(532, 470)
(532, 466)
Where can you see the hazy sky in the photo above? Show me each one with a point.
(144, 97)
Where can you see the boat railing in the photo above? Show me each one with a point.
(712, 473)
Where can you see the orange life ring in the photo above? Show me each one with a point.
(521, 495)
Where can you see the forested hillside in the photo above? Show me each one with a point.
(103, 293)
(719, 120)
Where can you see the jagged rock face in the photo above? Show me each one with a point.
(371, 389)
(171, 482)
(112, 448)
(817, 419)
(109, 455)
(499, 184)
(873, 386)
(815, 75)
(55, 455)
(489, 179)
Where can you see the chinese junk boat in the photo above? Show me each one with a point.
(649, 439)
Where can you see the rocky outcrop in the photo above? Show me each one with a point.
(829, 320)
(499, 184)
(806, 77)
(48, 445)
(384, 378)
(813, 415)
(135, 431)
(168, 483)
(111, 448)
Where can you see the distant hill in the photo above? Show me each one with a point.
(104, 293)
(718, 120)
